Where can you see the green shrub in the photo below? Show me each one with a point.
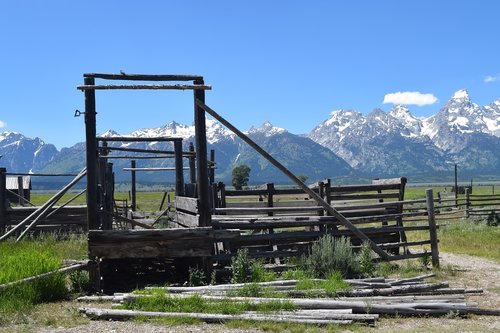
(80, 281)
(493, 219)
(366, 265)
(295, 274)
(259, 273)
(331, 254)
(240, 266)
(196, 277)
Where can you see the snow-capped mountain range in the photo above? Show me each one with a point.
(348, 143)
(397, 140)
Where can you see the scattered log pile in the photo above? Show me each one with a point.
(367, 299)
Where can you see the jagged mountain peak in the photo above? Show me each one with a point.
(267, 129)
(339, 116)
(109, 134)
(462, 95)
(400, 111)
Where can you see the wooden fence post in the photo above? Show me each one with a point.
(192, 167)
(201, 158)
(3, 201)
(270, 196)
(211, 170)
(179, 170)
(133, 198)
(321, 192)
(432, 228)
(20, 190)
(467, 203)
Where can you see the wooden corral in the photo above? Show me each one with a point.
(283, 223)
(18, 216)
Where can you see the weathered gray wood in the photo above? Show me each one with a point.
(432, 228)
(186, 204)
(201, 157)
(187, 220)
(97, 313)
(414, 308)
(170, 243)
(42, 210)
(143, 77)
(179, 172)
(412, 279)
(133, 222)
(144, 87)
(389, 181)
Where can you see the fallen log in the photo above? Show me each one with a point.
(412, 279)
(417, 308)
(107, 314)
(44, 275)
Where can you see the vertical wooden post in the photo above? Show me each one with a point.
(201, 158)
(91, 156)
(467, 203)
(3, 201)
(133, 198)
(192, 166)
(179, 170)
(108, 188)
(321, 192)
(20, 190)
(432, 228)
(270, 196)
(456, 186)
(212, 167)
(222, 188)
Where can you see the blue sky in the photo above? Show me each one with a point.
(288, 62)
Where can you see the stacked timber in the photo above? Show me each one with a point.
(367, 299)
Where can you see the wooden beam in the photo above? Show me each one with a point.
(143, 77)
(133, 185)
(144, 87)
(281, 167)
(137, 139)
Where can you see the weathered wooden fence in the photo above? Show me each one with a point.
(21, 216)
(481, 205)
(278, 223)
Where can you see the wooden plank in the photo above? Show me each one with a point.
(364, 188)
(340, 197)
(186, 204)
(246, 204)
(385, 181)
(187, 220)
(178, 248)
(143, 77)
(144, 87)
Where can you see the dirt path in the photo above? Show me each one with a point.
(472, 272)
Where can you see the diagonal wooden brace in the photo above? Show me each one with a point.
(296, 180)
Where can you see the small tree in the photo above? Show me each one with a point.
(303, 178)
(241, 174)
